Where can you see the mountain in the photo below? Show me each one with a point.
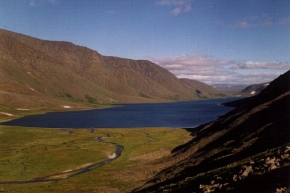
(43, 74)
(241, 90)
(201, 89)
(229, 88)
(246, 150)
(253, 89)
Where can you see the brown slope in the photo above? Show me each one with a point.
(63, 71)
(245, 150)
(30, 70)
(201, 89)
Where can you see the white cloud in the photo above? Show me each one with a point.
(164, 2)
(177, 6)
(255, 21)
(176, 11)
(32, 3)
(243, 24)
(191, 61)
(187, 8)
(262, 65)
(111, 12)
(35, 3)
(206, 69)
(284, 21)
(259, 21)
(195, 66)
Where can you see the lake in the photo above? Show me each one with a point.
(185, 114)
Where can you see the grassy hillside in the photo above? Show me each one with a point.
(39, 74)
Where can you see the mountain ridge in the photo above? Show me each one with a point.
(61, 73)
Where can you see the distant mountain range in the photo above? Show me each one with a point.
(254, 89)
(230, 88)
(49, 74)
(241, 90)
(246, 150)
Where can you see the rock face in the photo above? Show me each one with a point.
(37, 73)
(246, 150)
(259, 166)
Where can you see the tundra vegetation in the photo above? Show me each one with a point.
(29, 153)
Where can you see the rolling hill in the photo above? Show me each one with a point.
(246, 150)
(39, 74)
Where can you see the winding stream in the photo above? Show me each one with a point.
(73, 172)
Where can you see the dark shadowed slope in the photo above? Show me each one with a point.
(276, 88)
(246, 150)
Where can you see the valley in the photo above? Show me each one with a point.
(242, 149)
(63, 160)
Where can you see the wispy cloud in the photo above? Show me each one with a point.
(34, 3)
(176, 6)
(259, 21)
(206, 69)
(262, 65)
(255, 21)
(262, 20)
(284, 21)
(190, 61)
(195, 66)
(111, 12)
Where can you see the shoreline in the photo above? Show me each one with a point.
(186, 114)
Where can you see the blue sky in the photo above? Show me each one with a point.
(214, 41)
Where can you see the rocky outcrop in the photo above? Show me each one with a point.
(257, 166)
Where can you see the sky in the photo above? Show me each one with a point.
(213, 41)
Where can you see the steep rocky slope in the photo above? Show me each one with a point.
(246, 150)
(41, 74)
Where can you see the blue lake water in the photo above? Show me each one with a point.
(185, 114)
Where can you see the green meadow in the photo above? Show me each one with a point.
(29, 153)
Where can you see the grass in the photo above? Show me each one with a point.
(31, 153)
(34, 152)
(90, 99)
(141, 94)
(78, 105)
(20, 113)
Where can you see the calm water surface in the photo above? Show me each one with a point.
(184, 114)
